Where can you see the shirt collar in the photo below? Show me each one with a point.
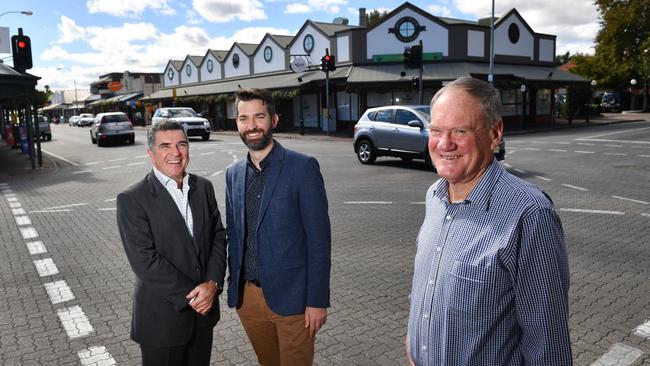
(165, 180)
(265, 162)
(481, 193)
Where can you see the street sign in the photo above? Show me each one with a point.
(299, 64)
(114, 86)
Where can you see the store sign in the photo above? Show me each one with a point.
(114, 86)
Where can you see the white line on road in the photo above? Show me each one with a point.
(82, 171)
(75, 322)
(138, 163)
(557, 150)
(46, 267)
(107, 209)
(631, 200)
(111, 167)
(643, 156)
(216, 173)
(49, 211)
(531, 149)
(611, 133)
(368, 202)
(58, 292)
(562, 143)
(94, 163)
(12, 199)
(584, 152)
(603, 212)
(618, 355)
(110, 200)
(645, 214)
(28, 233)
(643, 330)
(507, 165)
(520, 171)
(543, 178)
(616, 154)
(23, 220)
(575, 187)
(66, 206)
(612, 145)
(18, 211)
(15, 204)
(96, 356)
(620, 141)
(418, 203)
(586, 143)
(36, 247)
(208, 153)
(118, 159)
(60, 157)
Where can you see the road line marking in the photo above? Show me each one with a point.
(96, 356)
(66, 206)
(15, 204)
(49, 211)
(46, 267)
(28, 233)
(520, 171)
(543, 178)
(75, 322)
(616, 154)
(82, 171)
(418, 203)
(611, 133)
(575, 187)
(368, 202)
(645, 214)
(118, 159)
(12, 199)
(557, 150)
(643, 156)
(58, 292)
(585, 143)
(640, 147)
(23, 220)
(107, 209)
(531, 149)
(18, 211)
(507, 165)
(60, 157)
(631, 200)
(111, 167)
(593, 211)
(584, 152)
(36, 247)
(643, 330)
(94, 162)
(138, 163)
(618, 355)
(208, 153)
(562, 143)
(611, 145)
(110, 200)
(621, 141)
(216, 173)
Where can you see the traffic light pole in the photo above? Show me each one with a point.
(327, 99)
(421, 83)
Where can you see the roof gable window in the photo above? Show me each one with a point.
(308, 43)
(210, 66)
(268, 54)
(170, 74)
(235, 60)
(407, 29)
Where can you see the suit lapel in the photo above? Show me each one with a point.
(275, 167)
(196, 206)
(239, 194)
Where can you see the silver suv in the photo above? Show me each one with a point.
(398, 131)
(193, 123)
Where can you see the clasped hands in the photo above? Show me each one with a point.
(202, 297)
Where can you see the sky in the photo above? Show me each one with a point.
(76, 41)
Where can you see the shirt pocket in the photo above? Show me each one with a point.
(470, 290)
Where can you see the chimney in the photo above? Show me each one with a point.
(362, 17)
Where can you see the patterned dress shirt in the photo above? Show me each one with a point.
(491, 278)
(179, 196)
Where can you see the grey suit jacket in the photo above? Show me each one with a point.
(168, 263)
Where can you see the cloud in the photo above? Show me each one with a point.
(69, 31)
(128, 8)
(297, 8)
(222, 11)
(329, 6)
(441, 11)
(193, 17)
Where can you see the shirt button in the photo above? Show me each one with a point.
(425, 316)
(438, 249)
(424, 348)
(448, 217)
(430, 282)
(197, 268)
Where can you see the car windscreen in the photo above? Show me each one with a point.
(87, 116)
(425, 111)
(114, 118)
(182, 113)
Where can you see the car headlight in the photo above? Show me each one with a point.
(205, 122)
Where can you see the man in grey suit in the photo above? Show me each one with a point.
(279, 239)
(172, 234)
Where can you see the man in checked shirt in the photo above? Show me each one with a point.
(491, 278)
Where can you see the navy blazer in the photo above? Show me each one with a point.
(168, 263)
(293, 233)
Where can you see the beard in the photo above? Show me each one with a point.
(261, 144)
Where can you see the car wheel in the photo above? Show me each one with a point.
(131, 141)
(366, 152)
(92, 138)
(206, 136)
(428, 163)
(406, 158)
(49, 137)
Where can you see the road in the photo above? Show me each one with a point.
(66, 290)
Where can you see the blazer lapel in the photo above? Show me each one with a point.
(196, 205)
(239, 195)
(275, 168)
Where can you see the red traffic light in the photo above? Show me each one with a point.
(22, 44)
(327, 58)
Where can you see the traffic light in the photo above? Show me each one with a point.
(327, 63)
(413, 56)
(415, 82)
(21, 47)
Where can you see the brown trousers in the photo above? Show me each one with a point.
(277, 340)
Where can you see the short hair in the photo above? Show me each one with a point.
(245, 95)
(487, 96)
(166, 125)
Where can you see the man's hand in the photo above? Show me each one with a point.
(314, 319)
(202, 297)
(408, 354)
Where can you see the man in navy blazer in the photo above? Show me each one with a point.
(279, 239)
(172, 234)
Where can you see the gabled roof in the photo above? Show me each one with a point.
(176, 64)
(514, 12)
(220, 55)
(408, 5)
(452, 21)
(196, 60)
(248, 48)
(282, 41)
(330, 28)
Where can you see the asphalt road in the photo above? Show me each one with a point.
(66, 284)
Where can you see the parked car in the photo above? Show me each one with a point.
(193, 123)
(111, 127)
(398, 131)
(44, 128)
(86, 119)
(73, 120)
(611, 102)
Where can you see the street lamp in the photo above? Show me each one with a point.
(591, 98)
(25, 12)
(633, 83)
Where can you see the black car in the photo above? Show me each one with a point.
(611, 102)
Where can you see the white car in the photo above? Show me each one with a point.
(86, 119)
(193, 123)
(74, 121)
(110, 127)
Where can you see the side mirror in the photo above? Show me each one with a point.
(199, 115)
(415, 123)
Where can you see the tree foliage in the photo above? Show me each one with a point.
(373, 16)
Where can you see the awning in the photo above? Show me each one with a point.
(127, 97)
(53, 106)
(79, 105)
(275, 81)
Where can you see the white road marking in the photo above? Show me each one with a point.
(216, 173)
(58, 292)
(75, 322)
(111, 167)
(643, 330)
(12, 199)
(584, 152)
(520, 171)
(418, 203)
(96, 356)
(616, 154)
(15, 204)
(107, 209)
(575, 187)
(645, 214)
(36, 247)
(586, 143)
(618, 355)
(557, 150)
(66, 206)
(643, 156)
(620, 141)
(368, 203)
(138, 163)
(49, 211)
(94, 162)
(562, 143)
(611, 133)
(46, 267)
(23, 220)
(110, 200)
(118, 159)
(60, 157)
(18, 211)
(531, 149)
(631, 200)
(592, 211)
(82, 171)
(612, 145)
(208, 153)
(543, 178)
(28, 233)
(507, 165)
